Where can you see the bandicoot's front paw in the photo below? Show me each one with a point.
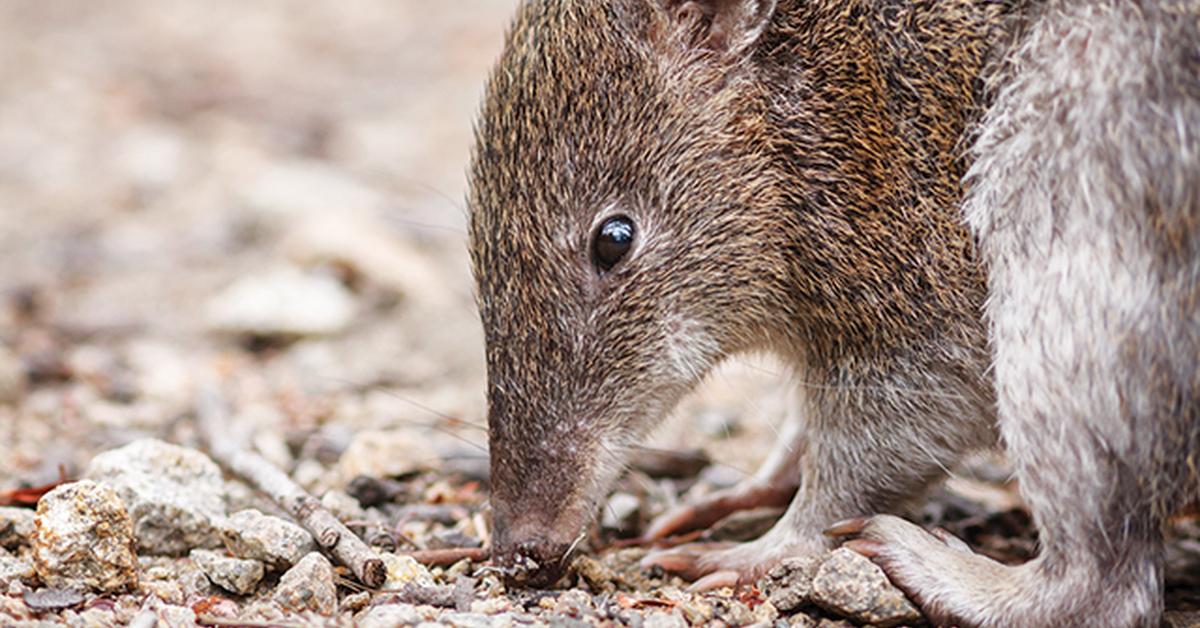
(938, 571)
(716, 565)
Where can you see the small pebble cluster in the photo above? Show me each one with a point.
(148, 536)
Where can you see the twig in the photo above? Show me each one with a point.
(445, 557)
(212, 418)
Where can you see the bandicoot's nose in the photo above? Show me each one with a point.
(535, 562)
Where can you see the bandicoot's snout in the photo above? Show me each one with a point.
(528, 554)
(533, 562)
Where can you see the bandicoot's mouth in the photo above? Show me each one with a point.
(532, 565)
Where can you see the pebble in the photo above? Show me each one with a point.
(369, 247)
(309, 586)
(402, 570)
(466, 620)
(174, 495)
(53, 599)
(789, 584)
(15, 569)
(283, 302)
(621, 512)
(853, 587)
(16, 527)
(173, 616)
(661, 619)
(598, 576)
(356, 601)
(279, 544)
(232, 574)
(384, 454)
(390, 615)
(343, 506)
(573, 602)
(85, 539)
(173, 581)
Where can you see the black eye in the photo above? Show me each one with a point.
(613, 241)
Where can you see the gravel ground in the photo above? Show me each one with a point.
(266, 198)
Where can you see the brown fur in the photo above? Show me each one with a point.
(795, 183)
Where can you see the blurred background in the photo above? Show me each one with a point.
(271, 194)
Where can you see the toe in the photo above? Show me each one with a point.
(715, 507)
(690, 562)
(674, 521)
(951, 541)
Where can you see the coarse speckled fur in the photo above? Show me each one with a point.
(794, 173)
(1085, 197)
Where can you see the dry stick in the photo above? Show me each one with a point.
(212, 417)
(449, 556)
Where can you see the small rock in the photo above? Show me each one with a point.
(789, 584)
(598, 576)
(466, 620)
(12, 377)
(53, 599)
(173, 581)
(573, 602)
(174, 495)
(402, 570)
(356, 602)
(309, 586)
(144, 619)
(852, 586)
(664, 620)
(343, 506)
(16, 527)
(491, 606)
(389, 615)
(369, 247)
(232, 574)
(251, 535)
(384, 454)
(15, 569)
(85, 538)
(733, 612)
(174, 616)
(621, 512)
(285, 302)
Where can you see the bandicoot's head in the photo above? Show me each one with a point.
(625, 237)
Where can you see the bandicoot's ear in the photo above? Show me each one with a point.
(722, 26)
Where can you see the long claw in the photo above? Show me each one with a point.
(866, 547)
(849, 527)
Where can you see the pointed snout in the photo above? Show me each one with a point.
(529, 556)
